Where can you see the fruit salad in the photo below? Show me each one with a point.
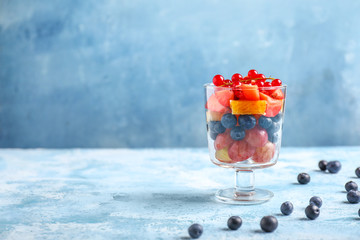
(244, 118)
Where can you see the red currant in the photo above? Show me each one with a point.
(260, 83)
(262, 76)
(252, 73)
(218, 80)
(253, 82)
(228, 83)
(276, 82)
(267, 84)
(236, 77)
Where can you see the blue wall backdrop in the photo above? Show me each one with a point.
(131, 73)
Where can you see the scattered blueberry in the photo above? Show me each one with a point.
(265, 122)
(273, 128)
(303, 178)
(247, 121)
(269, 223)
(312, 211)
(353, 196)
(351, 186)
(333, 166)
(234, 222)
(274, 137)
(228, 120)
(277, 118)
(357, 172)
(359, 212)
(213, 135)
(195, 230)
(316, 201)
(322, 165)
(237, 133)
(287, 208)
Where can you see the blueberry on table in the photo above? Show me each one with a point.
(312, 211)
(322, 165)
(287, 208)
(357, 172)
(228, 120)
(316, 201)
(277, 118)
(269, 223)
(247, 121)
(195, 230)
(237, 133)
(303, 178)
(353, 196)
(359, 212)
(265, 122)
(351, 186)
(234, 222)
(333, 166)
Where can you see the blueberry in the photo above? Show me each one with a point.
(277, 118)
(234, 222)
(303, 178)
(351, 186)
(333, 166)
(265, 122)
(228, 120)
(316, 201)
(357, 172)
(274, 137)
(269, 223)
(216, 126)
(213, 135)
(287, 208)
(353, 196)
(322, 165)
(247, 121)
(273, 128)
(312, 211)
(237, 133)
(195, 230)
(359, 212)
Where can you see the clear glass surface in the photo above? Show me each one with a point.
(244, 130)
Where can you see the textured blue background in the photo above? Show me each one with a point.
(130, 73)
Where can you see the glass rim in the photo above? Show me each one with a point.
(211, 85)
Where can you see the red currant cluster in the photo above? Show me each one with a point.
(253, 78)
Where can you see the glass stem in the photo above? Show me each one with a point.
(244, 182)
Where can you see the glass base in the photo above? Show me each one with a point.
(230, 196)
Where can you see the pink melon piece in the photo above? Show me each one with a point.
(256, 137)
(224, 97)
(223, 140)
(240, 151)
(264, 154)
(214, 105)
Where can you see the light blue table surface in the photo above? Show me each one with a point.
(157, 194)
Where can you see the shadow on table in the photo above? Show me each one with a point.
(165, 198)
(184, 197)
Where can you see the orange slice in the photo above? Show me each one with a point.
(243, 107)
